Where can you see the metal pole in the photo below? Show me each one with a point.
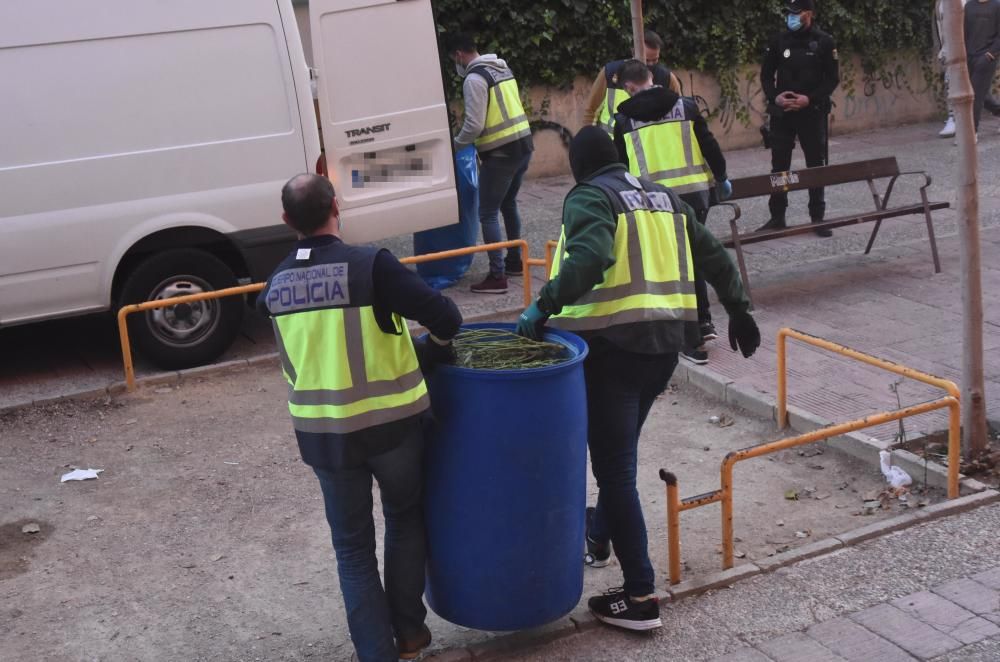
(781, 348)
(727, 513)
(960, 94)
(637, 31)
(673, 526)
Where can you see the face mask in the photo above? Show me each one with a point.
(459, 69)
(794, 22)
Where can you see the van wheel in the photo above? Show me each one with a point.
(189, 334)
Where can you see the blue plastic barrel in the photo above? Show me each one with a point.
(506, 491)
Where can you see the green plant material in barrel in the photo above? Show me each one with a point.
(498, 349)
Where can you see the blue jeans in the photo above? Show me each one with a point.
(621, 388)
(499, 182)
(374, 615)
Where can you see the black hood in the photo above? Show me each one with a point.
(590, 150)
(649, 105)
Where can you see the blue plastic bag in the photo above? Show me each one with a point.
(441, 274)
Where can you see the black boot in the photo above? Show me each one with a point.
(822, 232)
(774, 223)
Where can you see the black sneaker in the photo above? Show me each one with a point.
(708, 331)
(513, 268)
(598, 555)
(698, 355)
(616, 608)
(772, 224)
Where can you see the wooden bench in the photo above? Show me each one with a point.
(831, 175)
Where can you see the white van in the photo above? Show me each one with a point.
(143, 145)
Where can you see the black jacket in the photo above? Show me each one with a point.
(655, 103)
(804, 62)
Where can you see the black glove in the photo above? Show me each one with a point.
(743, 333)
(430, 353)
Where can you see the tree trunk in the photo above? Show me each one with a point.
(960, 95)
(637, 30)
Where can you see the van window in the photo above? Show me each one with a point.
(150, 92)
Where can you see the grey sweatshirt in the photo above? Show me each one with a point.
(982, 27)
(477, 95)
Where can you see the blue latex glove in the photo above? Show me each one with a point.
(725, 190)
(531, 322)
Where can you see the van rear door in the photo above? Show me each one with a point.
(383, 115)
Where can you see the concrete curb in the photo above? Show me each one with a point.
(169, 378)
(581, 620)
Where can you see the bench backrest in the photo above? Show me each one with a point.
(797, 180)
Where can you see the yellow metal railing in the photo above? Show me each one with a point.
(125, 311)
(724, 495)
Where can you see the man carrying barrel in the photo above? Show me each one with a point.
(623, 279)
(357, 398)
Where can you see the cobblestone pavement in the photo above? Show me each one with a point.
(931, 592)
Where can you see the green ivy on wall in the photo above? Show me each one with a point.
(551, 42)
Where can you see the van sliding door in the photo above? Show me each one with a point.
(383, 115)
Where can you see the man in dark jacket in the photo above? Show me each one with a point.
(663, 137)
(799, 74)
(622, 280)
(982, 47)
(357, 398)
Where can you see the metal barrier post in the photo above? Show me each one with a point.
(125, 311)
(675, 505)
(954, 435)
(673, 526)
(817, 435)
(726, 483)
(782, 382)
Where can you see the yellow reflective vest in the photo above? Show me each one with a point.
(506, 120)
(666, 151)
(344, 372)
(652, 278)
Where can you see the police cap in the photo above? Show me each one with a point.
(799, 6)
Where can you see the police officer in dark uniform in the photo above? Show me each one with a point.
(798, 75)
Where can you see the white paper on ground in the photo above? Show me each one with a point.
(81, 474)
(896, 476)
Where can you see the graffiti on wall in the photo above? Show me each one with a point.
(880, 96)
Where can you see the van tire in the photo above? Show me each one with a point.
(182, 337)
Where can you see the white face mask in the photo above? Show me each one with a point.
(459, 69)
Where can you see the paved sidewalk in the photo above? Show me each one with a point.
(931, 592)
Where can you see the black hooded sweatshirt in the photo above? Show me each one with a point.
(656, 102)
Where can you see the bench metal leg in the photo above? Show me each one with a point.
(930, 231)
(738, 247)
(871, 239)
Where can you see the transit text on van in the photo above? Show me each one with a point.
(364, 131)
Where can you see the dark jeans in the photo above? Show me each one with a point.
(981, 72)
(621, 388)
(499, 182)
(374, 615)
(700, 286)
(809, 126)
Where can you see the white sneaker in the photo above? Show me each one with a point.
(975, 139)
(949, 128)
